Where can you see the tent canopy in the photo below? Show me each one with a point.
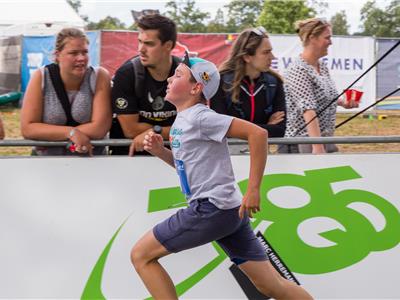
(36, 17)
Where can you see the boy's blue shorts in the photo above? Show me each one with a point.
(201, 223)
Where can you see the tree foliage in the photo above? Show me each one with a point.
(218, 23)
(106, 23)
(381, 22)
(75, 4)
(243, 14)
(339, 23)
(279, 16)
(187, 17)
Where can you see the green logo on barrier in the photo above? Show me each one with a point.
(351, 243)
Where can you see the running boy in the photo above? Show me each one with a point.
(217, 211)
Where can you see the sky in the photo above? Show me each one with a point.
(99, 9)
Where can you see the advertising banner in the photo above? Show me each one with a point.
(388, 74)
(328, 222)
(347, 59)
(37, 51)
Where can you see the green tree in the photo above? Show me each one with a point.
(381, 22)
(134, 27)
(243, 14)
(75, 4)
(186, 16)
(394, 9)
(106, 23)
(339, 23)
(279, 16)
(217, 24)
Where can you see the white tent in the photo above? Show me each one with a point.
(42, 17)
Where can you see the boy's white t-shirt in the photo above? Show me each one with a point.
(200, 149)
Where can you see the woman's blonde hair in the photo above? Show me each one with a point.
(308, 28)
(246, 43)
(68, 33)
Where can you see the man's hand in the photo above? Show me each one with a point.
(137, 143)
(250, 203)
(276, 118)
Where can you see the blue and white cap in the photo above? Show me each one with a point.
(204, 72)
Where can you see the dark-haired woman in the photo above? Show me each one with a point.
(249, 89)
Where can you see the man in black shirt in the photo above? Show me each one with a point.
(139, 85)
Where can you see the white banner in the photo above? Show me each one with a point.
(348, 58)
(68, 225)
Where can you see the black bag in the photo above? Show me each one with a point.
(54, 71)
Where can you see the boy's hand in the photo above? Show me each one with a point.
(137, 143)
(250, 203)
(153, 143)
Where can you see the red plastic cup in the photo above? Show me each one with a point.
(353, 95)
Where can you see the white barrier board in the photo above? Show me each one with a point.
(334, 221)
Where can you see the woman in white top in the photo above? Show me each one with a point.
(310, 89)
(87, 98)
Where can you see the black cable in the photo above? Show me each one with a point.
(373, 104)
(354, 82)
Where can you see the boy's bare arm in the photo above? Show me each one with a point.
(257, 138)
(166, 156)
(154, 144)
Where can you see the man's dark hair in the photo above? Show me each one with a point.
(165, 26)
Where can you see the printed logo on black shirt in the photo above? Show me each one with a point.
(157, 103)
(121, 103)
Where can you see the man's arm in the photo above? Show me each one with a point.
(154, 144)
(136, 130)
(257, 138)
(131, 126)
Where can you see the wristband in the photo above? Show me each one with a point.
(71, 133)
(157, 129)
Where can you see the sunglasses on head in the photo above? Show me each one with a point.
(259, 31)
(318, 21)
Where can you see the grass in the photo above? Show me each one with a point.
(11, 122)
(362, 126)
(359, 126)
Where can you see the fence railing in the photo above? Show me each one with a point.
(271, 141)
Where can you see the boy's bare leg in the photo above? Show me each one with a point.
(144, 256)
(270, 283)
